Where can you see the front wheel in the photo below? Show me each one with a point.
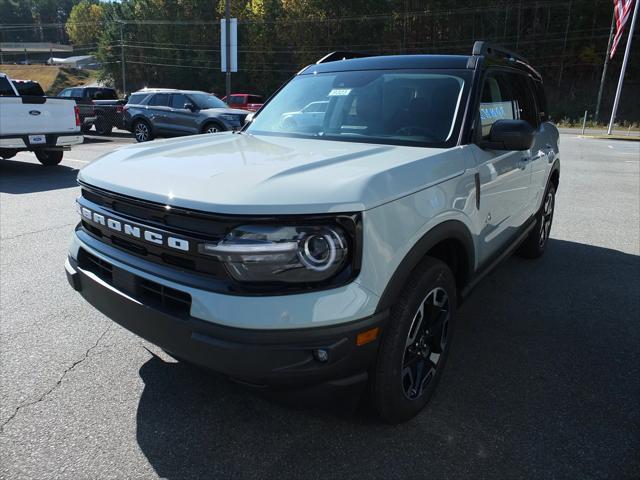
(49, 158)
(534, 245)
(212, 128)
(415, 344)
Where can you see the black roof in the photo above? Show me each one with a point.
(495, 55)
(391, 62)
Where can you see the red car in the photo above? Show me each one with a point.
(244, 101)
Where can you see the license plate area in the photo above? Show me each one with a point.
(37, 139)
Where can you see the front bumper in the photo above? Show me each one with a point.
(274, 358)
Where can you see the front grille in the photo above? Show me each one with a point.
(93, 264)
(194, 226)
(150, 293)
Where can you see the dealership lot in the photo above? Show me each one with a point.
(543, 380)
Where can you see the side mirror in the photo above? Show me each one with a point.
(510, 135)
(190, 106)
(249, 118)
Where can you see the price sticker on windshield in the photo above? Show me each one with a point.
(339, 92)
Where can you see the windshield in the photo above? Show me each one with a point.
(403, 107)
(205, 100)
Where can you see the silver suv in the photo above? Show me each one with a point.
(330, 253)
(161, 112)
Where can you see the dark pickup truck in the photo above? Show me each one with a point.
(99, 106)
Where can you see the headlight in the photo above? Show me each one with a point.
(291, 254)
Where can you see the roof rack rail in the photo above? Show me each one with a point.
(336, 56)
(487, 49)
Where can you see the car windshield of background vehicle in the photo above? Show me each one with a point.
(204, 100)
(398, 107)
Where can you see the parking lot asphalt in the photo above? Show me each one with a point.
(543, 380)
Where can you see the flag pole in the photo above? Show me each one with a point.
(624, 67)
(596, 116)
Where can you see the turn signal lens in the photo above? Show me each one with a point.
(367, 336)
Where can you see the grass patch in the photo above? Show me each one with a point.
(51, 78)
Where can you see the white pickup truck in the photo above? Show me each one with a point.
(46, 126)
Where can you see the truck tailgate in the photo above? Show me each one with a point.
(36, 115)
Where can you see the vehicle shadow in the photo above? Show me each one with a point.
(25, 177)
(543, 381)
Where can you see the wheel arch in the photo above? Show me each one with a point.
(211, 121)
(450, 242)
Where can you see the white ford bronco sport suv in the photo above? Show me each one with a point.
(331, 252)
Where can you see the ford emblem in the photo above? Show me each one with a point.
(34, 112)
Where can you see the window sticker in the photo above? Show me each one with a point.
(339, 92)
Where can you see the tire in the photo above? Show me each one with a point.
(535, 244)
(102, 126)
(49, 158)
(7, 153)
(417, 337)
(85, 129)
(142, 131)
(213, 127)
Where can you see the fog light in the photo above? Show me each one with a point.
(321, 355)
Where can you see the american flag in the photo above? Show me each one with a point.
(622, 10)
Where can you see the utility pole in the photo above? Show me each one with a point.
(624, 67)
(596, 116)
(227, 20)
(124, 76)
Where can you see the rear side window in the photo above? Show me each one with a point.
(66, 93)
(159, 100)
(76, 93)
(137, 98)
(29, 88)
(506, 96)
(255, 99)
(236, 100)
(5, 88)
(103, 94)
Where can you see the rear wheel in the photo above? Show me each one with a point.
(49, 158)
(535, 243)
(102, 126)
(85, 128)
(142, 131)
(415, 344)
(8, 153)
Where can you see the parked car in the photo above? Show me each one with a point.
(32, 122)
(332, 257)
(161, 112)
(244, 101)
(99, 107)
(310, 116)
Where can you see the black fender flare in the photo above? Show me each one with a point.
(448, 230)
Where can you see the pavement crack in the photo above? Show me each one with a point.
(39, 231)
(59, 382)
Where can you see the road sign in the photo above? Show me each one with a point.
(233, 44)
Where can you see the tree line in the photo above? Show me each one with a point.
(176, 43)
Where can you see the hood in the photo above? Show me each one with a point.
(249, 174)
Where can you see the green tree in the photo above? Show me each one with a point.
(84, 23)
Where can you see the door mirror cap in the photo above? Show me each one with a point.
(249, 118)
(510, 135)
(190, 106)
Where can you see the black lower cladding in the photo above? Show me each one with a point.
(275, 358)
